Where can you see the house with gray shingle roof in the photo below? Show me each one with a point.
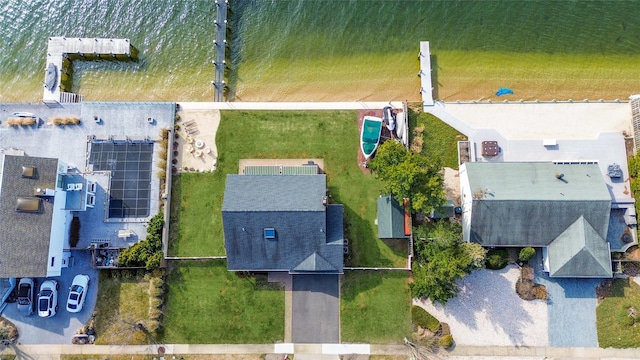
(562, 208)
(37, 197)
(282, 223)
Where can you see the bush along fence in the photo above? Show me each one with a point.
(148, 252)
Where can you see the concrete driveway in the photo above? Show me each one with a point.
(572, 311)
(316, 309)
(60, 328)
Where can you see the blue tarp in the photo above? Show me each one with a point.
(503, 91)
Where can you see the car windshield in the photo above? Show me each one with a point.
(44, 304)
(76, 288)
(24, 290)
(71, 306)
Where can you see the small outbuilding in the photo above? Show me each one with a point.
(393, 222)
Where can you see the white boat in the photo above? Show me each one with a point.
(370, 135)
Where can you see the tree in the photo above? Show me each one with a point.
(409, 175)
(441, 259)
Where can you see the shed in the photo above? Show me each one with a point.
(391, 221)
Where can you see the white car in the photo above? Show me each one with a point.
(48, 298)
(77, 293)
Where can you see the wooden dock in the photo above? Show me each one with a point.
(426, 88)
(220, 44)
(62, 50)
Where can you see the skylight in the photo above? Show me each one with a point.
(269, 233)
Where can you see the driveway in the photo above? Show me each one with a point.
(60, 328)
(316, 309)
(572, 311)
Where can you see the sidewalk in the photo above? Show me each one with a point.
(524, 352)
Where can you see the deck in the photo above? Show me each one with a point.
(426, 87)
(62, 50)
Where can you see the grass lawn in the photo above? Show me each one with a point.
(330, 135)
(155, 357)
(122, 302)
(440, 141)
(205, 304)
(375, 307)
(615, 327)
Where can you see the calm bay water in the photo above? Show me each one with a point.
(300, 49)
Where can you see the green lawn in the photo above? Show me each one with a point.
(206, 304)
(330, 135)
(615, 327)
(440, 141)
(375, 307)
(123, 300)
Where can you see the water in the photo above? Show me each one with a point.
(330, 50)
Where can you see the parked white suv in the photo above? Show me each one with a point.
(48, 298)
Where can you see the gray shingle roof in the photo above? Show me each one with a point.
(24, 237)
(524, 204)
(308, 234)
(579, 252)
(274, 193)
(529, 204)
(390, 218)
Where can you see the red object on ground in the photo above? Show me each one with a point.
(407, 217)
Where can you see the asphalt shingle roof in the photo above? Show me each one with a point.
(579, 252)
(24, 237)
(308, 234)
(525, 204)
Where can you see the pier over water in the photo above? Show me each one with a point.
(62, 50)
(220, 44)
(426, 87)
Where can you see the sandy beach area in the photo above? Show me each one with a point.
(489, 312)
(195, 144)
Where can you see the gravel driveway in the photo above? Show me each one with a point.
(60, 328)
(489, 312)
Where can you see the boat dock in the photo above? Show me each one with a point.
(426, 88)
(220, 44)
(62, 50)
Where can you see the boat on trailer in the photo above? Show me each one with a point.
(370, 136)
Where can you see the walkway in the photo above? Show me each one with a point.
(38, 352)
(352, 105)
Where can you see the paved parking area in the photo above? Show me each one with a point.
(572, 311)
(316, 309)
(60, 328)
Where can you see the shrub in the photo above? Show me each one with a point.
(422, 318)
(148, 252)
(497, 259)
(527, 254)
(446, 341)
(445, 329)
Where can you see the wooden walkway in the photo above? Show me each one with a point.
(426, 88)
(220, 44)
(62, 50)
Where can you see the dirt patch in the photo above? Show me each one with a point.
(526, 288)
(8, 331)
(452, 185)
(632, 253)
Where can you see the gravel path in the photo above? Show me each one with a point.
(489, 312)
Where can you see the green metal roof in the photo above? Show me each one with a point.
(390, 218)
(579, 252)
